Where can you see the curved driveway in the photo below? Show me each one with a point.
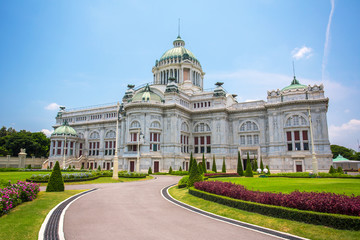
(136, 210)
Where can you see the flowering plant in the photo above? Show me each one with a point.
(14, 194)
(311, 201)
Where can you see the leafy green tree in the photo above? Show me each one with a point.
(203, 164)
(223, 166)
(345, 152)
(248, 171)
(214, 165)
(56, 181)
(261, 164)
(240, 170)
(150, 170)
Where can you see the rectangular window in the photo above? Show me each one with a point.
(256, 139)
(297, 135)
(242, 140)
(288, 136)
(249, 140)
(297, 146)
(306, 146)
(305, 135)
(202, 140)
(196, 140)
(289, 146)
(208, 139)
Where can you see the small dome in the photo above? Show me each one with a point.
(178, 51)
(295, 84)
(146, 95)
(65, 129)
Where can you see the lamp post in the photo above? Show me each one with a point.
(138, 151)
(115, 160)
(64, 153)
(314, 160)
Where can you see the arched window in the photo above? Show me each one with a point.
(202, 127)
(249, 133)
(135, 124)
(296, 120)
(94, 135)
(184, 127)
(110, 134)
(155, 124)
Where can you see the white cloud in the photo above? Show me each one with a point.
(327, 40)
(52, 106)
(47, 132)
(304, 52)
(345, 135)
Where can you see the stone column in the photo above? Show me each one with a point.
(22, 156)
(8, 161)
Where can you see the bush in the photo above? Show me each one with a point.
(332, 170)
(132, 175)
(180, 169)
(10, 169)
(28, 166)
(150, 170)
(239, 169)
(310, 175)
(339, 170)
(194, 175)
(267, 167)
(183, 182)
(56, 181)
(170, 170)
(203, 164)
(261, 165)
(99, 168)
(326, 219)
(310, 201)
(180, 173)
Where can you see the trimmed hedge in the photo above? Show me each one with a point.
(326, 219)
(183, 182)
(310, 175)
(216, 175)
(65, 180)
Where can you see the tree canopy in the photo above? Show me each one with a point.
(11, 141)
(345, 152)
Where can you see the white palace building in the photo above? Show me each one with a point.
(161, 123)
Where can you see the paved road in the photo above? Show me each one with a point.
(136, 210)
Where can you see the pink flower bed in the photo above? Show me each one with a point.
(17, 193)
(311, 201)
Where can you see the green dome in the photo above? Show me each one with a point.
(146, 95)
(295, 84)
(178, 51)
(65, 129)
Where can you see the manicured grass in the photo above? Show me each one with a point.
(292, 227)
(287, 185)
(24, 221)
(15, 176)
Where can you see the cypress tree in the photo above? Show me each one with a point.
(214, 165)
(332, 170)
(170, 170)
(340, 170)
(56, 181)
(180, 169)
(240, 170)
(99, 168)
(203, 164)
(190, 162)
(223, 166)
(150, 170)
(248, 172)
(261, 165)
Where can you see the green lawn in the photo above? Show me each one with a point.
(24, 221)
(15, 176)
(287, 185)
(297, 228)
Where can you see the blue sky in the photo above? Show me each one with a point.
(82, 53)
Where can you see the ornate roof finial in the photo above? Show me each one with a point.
(179, 28)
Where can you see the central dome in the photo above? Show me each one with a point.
(178, 51)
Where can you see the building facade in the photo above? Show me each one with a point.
(161, 123)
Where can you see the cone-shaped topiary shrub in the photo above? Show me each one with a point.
(340, 170)
(261, 165)
(240, 170)
(99, 168)
(150, 170)
(267, 167)
(180, 169)
(190, 162)
(56, 181)
(203, 164)
(170, 170)
(332, 170)
(248, 172)
(223, 166)
(214, 165)
(194, 175)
